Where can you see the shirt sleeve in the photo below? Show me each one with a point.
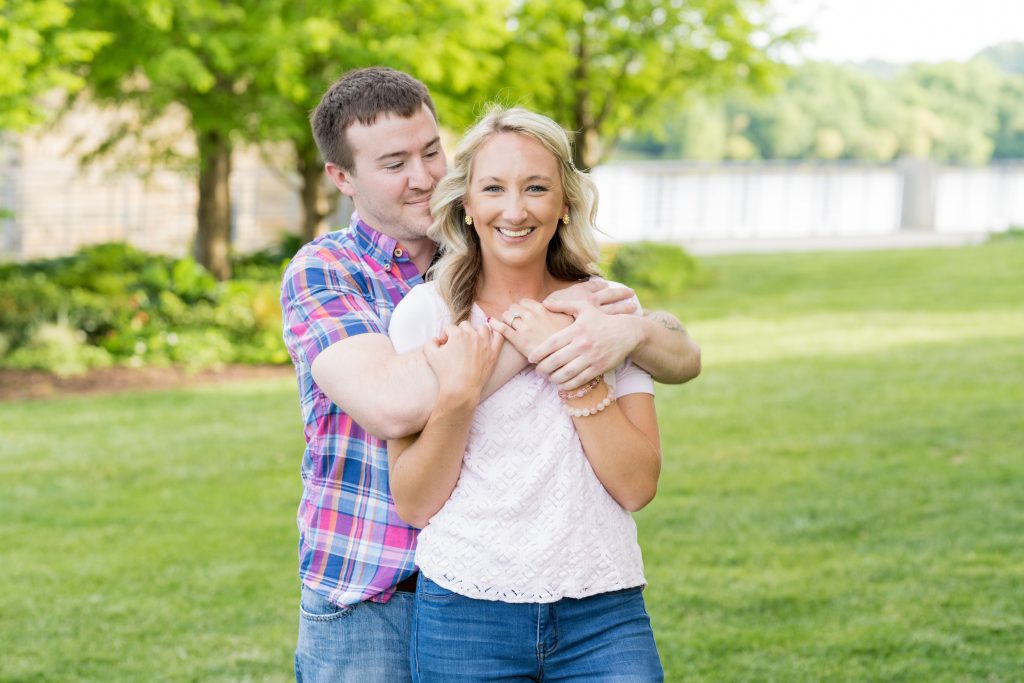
(632, 379)
(420, 316)
(322, 303)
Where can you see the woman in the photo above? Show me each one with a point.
(529, 565)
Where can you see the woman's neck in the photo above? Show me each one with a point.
(500, 287)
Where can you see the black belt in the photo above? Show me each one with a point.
(407, 585)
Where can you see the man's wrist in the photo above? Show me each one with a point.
(642, 329)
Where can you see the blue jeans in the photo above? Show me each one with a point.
(603, 638)
(364, 643)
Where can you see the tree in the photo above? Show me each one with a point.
(200, 56)
(40, 55)
(964, 100)
(605, 67)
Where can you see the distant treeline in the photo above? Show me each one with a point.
(956, 112)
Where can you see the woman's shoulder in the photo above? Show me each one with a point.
(417, 317)
(425, 290)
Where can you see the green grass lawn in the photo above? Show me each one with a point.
(842, 497)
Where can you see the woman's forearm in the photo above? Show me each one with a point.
(621, 443)
(425, 468)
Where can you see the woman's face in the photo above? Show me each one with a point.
(515, 198)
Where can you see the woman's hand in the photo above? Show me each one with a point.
(462, 358)
(531, 324)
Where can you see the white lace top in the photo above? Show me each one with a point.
(528, 521)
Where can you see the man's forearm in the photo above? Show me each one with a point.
(387, 394)
(665, 350)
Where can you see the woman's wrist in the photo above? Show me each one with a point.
(457, 398)
(591, 403)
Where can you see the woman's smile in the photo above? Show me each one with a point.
(515, 233)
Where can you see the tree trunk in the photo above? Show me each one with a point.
(586, 147)
(317, 202)
(213, 237)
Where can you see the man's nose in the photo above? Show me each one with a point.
(419, 176)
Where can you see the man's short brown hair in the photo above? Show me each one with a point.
(363, 95)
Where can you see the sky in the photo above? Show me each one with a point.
(902, 30)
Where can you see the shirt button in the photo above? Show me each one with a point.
(399, 252)
(387, 266)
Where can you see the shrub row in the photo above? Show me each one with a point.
(656, 271)
(112, 304)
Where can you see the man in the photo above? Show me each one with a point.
(377, 132)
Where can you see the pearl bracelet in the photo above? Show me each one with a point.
(586, 412)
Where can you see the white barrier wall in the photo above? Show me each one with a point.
(675, 201)
(59, 207)
(988, 199)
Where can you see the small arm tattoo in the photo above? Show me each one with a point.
(667, 321)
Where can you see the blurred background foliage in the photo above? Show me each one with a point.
(113, 304)
(962, 113)
(700, 80)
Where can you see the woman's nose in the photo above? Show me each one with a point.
(514, 210)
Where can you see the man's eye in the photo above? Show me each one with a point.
(431, 155)
(394, 167)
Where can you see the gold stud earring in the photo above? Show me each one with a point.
(469, 219)
(565, 218)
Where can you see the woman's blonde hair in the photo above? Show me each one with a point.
(572, 252)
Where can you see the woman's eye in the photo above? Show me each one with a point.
(536, 188)
(492, 188)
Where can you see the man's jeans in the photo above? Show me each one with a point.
(602, 638)
(365, 643)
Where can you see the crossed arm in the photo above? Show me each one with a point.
(391, 395)
(596, 332)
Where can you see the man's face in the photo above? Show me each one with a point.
(397, 163)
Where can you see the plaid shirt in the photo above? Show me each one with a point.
(352, 544)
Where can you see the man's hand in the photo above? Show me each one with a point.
(597, 292)
(592, 345)
(462, 358)
(532, 324)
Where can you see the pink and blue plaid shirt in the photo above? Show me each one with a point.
(352, 544)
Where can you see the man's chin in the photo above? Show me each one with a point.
(420, 222)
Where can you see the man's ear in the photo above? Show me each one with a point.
(341, 178)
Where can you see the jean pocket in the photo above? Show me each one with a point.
(432, 591)
(315, 607)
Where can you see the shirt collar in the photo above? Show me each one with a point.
(378, 246)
